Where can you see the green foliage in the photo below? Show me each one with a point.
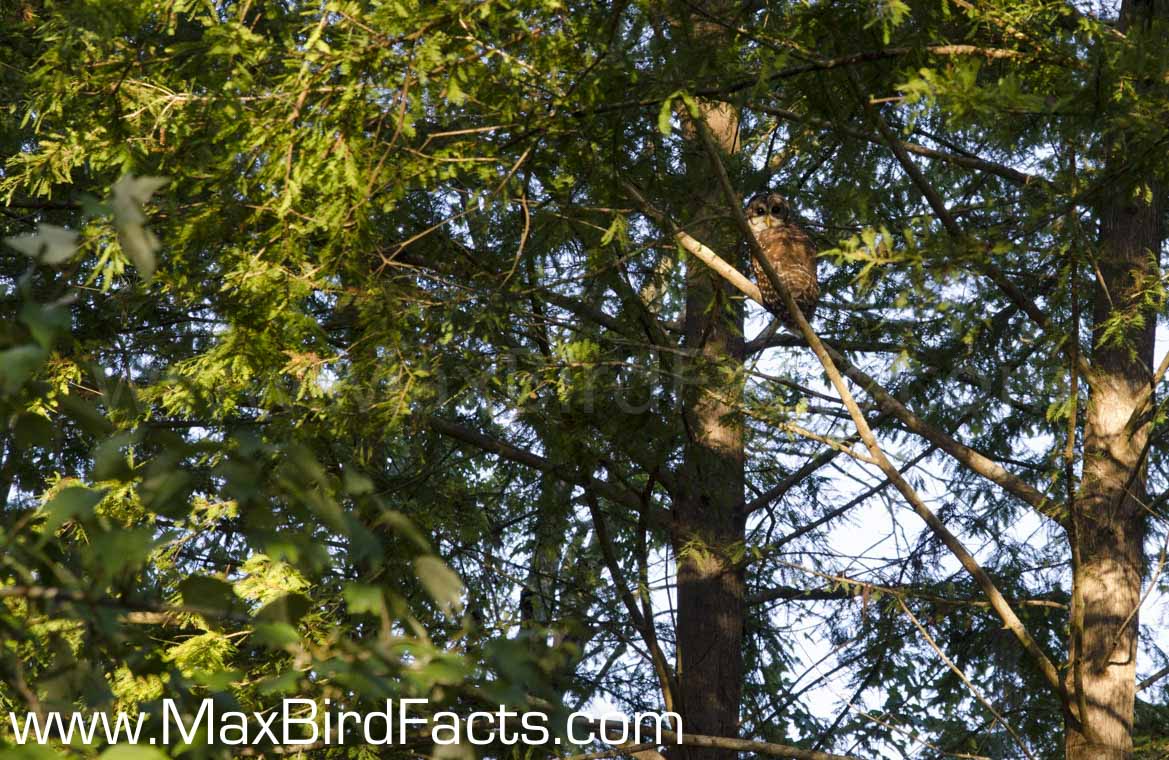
(253, 251)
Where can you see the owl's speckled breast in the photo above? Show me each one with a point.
(792, 254)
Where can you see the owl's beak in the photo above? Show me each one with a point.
(768, 220)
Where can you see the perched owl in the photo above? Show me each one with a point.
(790, 252)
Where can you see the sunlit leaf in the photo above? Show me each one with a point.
(50, 244)
(67, 504)
(129, 194)
(443, 585)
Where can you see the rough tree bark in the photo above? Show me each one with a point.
(1109, 512)
(708, 517)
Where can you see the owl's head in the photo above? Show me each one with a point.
(767, 210)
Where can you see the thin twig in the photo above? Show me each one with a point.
(962, 676)
(998, 602)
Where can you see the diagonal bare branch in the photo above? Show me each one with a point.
(963, 454)
(997, 601)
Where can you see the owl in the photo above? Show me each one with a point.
(790, 252)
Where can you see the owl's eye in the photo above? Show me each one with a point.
(777, 210)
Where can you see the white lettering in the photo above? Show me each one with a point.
(309, 721)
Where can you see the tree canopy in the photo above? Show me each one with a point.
(372, 349)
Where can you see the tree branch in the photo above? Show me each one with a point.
(997, 601)
(966, 680)
(1011, 175)
(938, 205)
(769, 749)
(147, 611)
(854, 589)
(1153, 679)
(644, 625)
(963, 454)
(535, 461)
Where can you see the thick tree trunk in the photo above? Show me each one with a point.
(708, 527)
(1110, 509)
(1109, 514)
(708, 522)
